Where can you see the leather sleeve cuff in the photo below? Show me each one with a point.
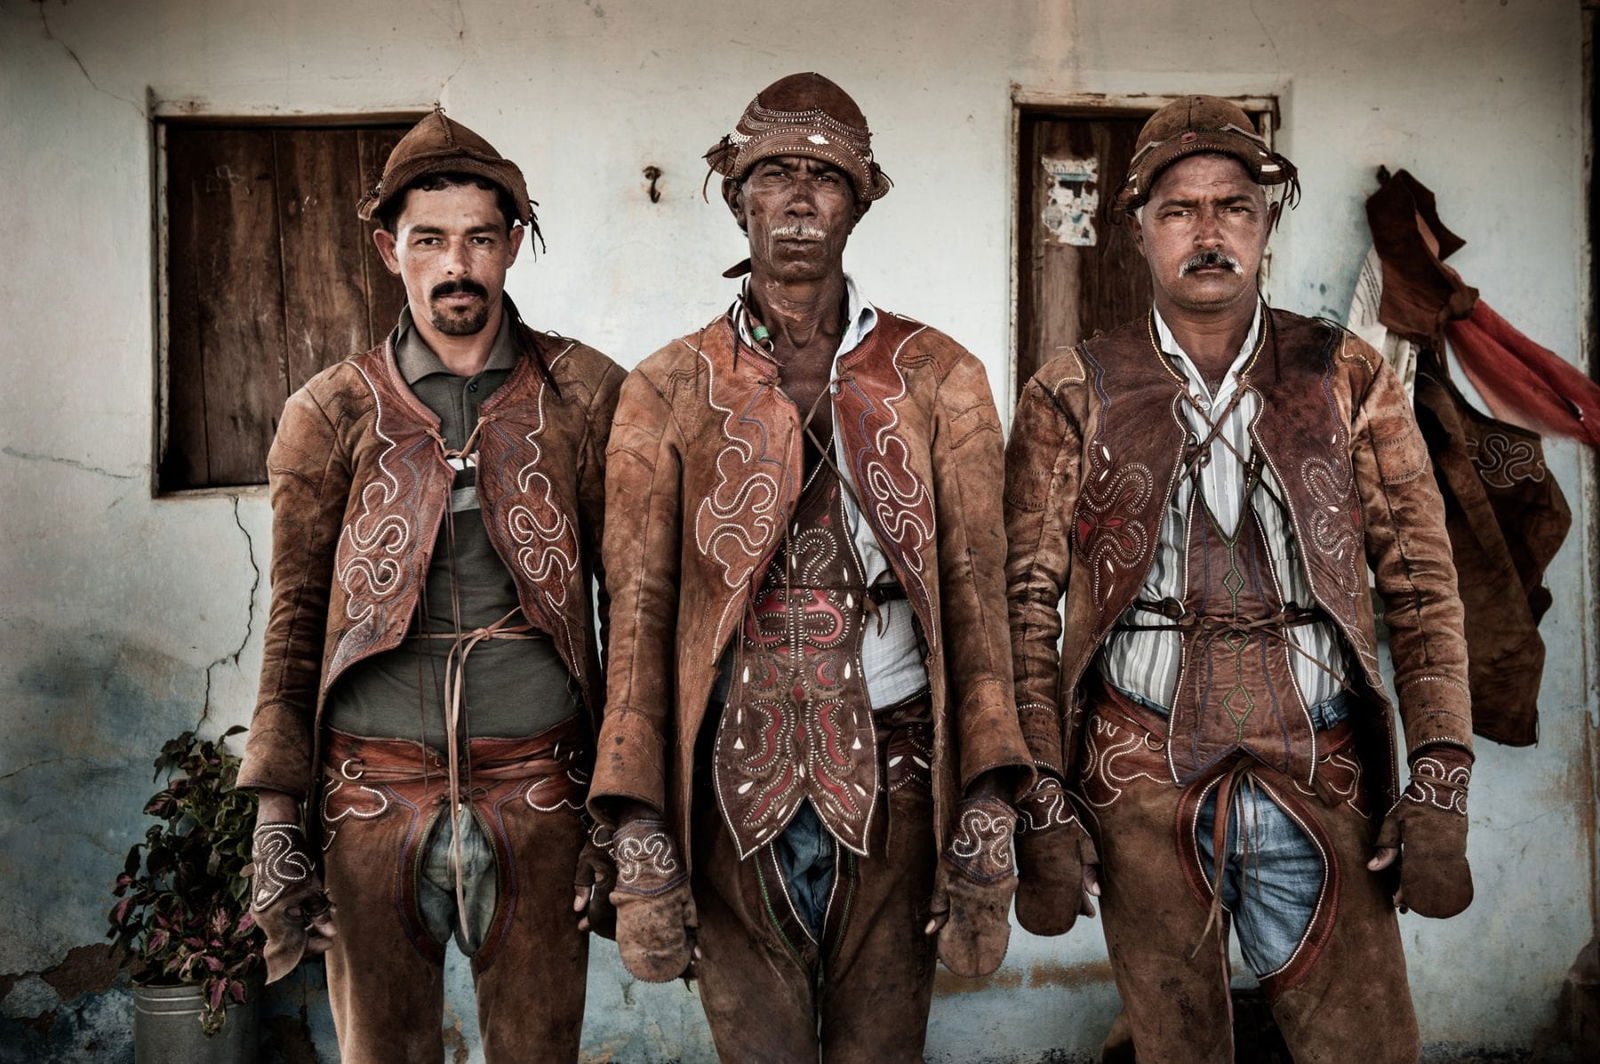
(1041, 730)
(1435, 709)
(277, 752)
(990, 735)
(629, 764)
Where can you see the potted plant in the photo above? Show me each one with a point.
(182, 924)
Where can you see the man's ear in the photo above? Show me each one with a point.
(1274, 216)
(733, 196)
(862, 207)
(515, 239)
(386, 241)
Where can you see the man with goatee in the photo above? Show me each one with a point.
(431, 677)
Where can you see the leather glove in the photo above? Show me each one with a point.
(286, 897)
(1429, 827)
(596, 878)
(1052, 850)
(974, 885)
(655, 912)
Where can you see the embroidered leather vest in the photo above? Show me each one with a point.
(389, 530)
(738, 522)
(1134, 461)
(798, 723)
(1236, 691)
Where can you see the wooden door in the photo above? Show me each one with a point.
(1080, 273)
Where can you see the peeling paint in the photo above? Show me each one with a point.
(1076, 975)
(84, 969)
(948, 984)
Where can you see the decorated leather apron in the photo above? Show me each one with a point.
(1236, 692)
(798, 722)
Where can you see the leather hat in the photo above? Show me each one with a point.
(438, 145)
(1201, 124)
(808, 115)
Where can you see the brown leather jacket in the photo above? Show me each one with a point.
(1092, 465)
(703, 474)
(358, 488)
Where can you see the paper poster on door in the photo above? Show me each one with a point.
(1074, 199)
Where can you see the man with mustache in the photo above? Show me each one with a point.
(431, 678)
(809, 740)
(1206, 488)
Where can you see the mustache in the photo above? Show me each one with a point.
(450, 288)
(798, 232)
(1208, 260)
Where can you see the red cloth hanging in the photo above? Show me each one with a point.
(1522, 382)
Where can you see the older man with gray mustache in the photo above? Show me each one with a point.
(1206, 488)
(810, 740)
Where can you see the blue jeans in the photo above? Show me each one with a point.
(436, 891)
(808, 853)
(1271, 876)
(1272, 873)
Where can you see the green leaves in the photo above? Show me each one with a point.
(183, 914)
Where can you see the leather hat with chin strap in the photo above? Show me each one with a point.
(439, 145)
(807, 115)
(1198, 124)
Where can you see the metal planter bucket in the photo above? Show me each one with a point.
(166, 1029)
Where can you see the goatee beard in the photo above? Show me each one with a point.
(462, 324)
(466, 325)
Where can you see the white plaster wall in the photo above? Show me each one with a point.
(119, 612)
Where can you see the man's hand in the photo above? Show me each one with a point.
(286, 895)
(1056, 861)
(1427, 831)
(596, 879)
(973, 887)
(656, 918)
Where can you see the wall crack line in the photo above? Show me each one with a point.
(41, 763)
(44, 21)
(249, 619)
(1268, 35)
(29, 456)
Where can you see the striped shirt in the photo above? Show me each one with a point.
(1145, 664)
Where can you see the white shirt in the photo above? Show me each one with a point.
(1146, 663)
(891, 656)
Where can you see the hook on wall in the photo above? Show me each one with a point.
(652, 174)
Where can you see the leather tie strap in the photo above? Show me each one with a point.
(455, 684)
(1241, 774)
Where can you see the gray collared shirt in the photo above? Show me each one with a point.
(514, 688)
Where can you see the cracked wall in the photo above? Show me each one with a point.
(125, 619)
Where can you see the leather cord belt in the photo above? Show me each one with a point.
(1209, 626)
(1186, 620)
